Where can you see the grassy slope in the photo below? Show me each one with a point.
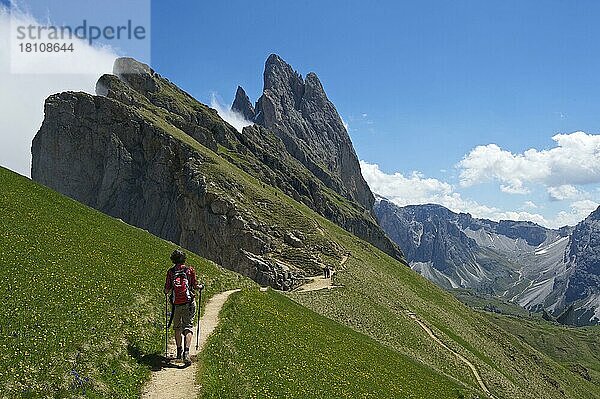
(379, 290)
(270, 347)
(374, 300)
(64, 245)
(479, 301)
(577, 348)
(79, 290)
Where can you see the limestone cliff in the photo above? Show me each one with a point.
(108, 156)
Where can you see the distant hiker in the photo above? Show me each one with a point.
(325, 270)
(181, 284)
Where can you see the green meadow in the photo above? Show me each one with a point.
(83, 307)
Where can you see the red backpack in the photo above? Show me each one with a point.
(181, 286)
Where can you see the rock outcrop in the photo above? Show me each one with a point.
(107, 156)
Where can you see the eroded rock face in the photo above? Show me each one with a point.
(557, 271)
(311, 150)
(584, 254)
(101, 153)
(430, 233)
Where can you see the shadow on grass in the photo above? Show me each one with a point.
(153, 361)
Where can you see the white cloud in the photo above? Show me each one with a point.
(584, 206)
(22, 96)
(566, 191)
(574, 160)
(579, 211)
(235, 119)
(514, 188)
(417, 189)
(414, 189)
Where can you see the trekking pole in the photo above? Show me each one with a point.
(198, 326)
(166, 325)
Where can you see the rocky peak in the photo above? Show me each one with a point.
(298, 111)
(129, 152)
(281, 78)
(242, 104)
(137, 85)
(313, 90)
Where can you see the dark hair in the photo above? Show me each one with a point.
(178, 257)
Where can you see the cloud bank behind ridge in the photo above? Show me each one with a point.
(22, 96)
(417, 190)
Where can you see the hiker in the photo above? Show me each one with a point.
(181, 284)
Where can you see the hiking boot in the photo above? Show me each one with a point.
(179, 353)
(186, 358)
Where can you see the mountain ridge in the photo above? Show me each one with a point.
(520, 261)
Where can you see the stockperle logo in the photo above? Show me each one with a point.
(60, 37)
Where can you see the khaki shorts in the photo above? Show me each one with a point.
(183, 318)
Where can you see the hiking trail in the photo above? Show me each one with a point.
(319, 282)
(458, 355)
(174, 381)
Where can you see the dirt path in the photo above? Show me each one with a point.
(458, 355)
(174, 381)
(319, 283)
(315, 284)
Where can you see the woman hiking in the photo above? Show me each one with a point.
(181, 284)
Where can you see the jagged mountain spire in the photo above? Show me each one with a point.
(300, 113)
(242, 104)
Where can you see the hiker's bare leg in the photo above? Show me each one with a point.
(178, 337)
(188, 338)
(186, 350)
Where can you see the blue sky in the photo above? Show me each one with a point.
(421, 85)
(459, 73)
